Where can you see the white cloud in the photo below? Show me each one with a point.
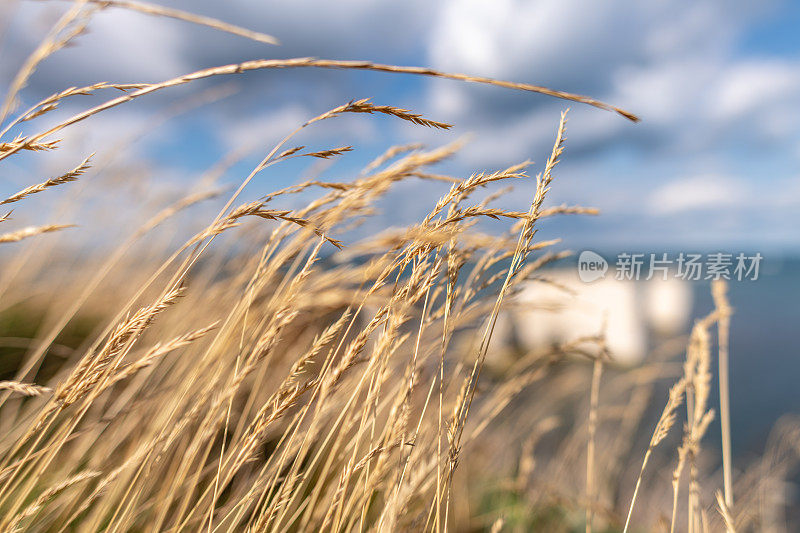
(673, 63)
(551, 39)
(748, 86)
(698, 193)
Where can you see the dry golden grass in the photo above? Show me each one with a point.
(258, 378)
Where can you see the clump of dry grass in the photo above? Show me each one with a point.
(287, 379)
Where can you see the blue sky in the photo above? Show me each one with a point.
(714, 164)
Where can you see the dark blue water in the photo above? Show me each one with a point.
(764, 355)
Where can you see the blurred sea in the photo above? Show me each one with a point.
(764, 354)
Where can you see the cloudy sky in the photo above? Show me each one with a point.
(714, 164)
